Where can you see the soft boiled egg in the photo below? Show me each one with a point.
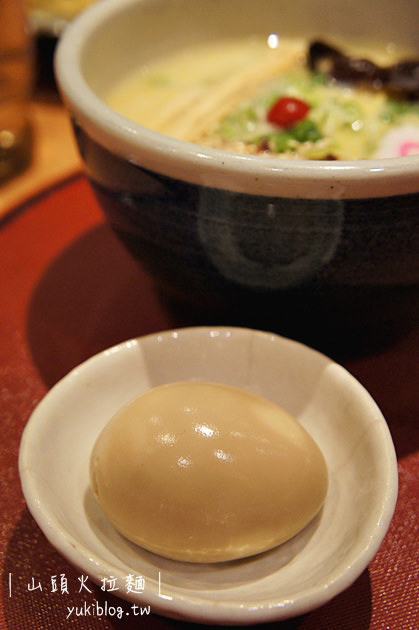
(204, 472)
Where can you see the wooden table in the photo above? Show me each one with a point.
(54, 157)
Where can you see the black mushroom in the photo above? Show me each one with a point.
(401, 80)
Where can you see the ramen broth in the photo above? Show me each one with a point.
(224, 95)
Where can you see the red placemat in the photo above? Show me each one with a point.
(68, 289)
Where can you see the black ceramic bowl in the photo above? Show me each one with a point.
(224, 230)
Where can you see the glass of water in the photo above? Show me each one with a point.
(16, 84)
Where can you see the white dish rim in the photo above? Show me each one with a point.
(185, 605)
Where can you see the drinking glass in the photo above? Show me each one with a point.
(16, 84)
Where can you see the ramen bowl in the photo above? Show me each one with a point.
(225, 230)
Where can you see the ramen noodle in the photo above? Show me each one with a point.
(269, 97)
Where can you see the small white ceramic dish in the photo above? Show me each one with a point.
(317, 564)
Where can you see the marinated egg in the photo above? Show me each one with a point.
(204, 472)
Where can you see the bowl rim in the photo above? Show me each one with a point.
(207, 166)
